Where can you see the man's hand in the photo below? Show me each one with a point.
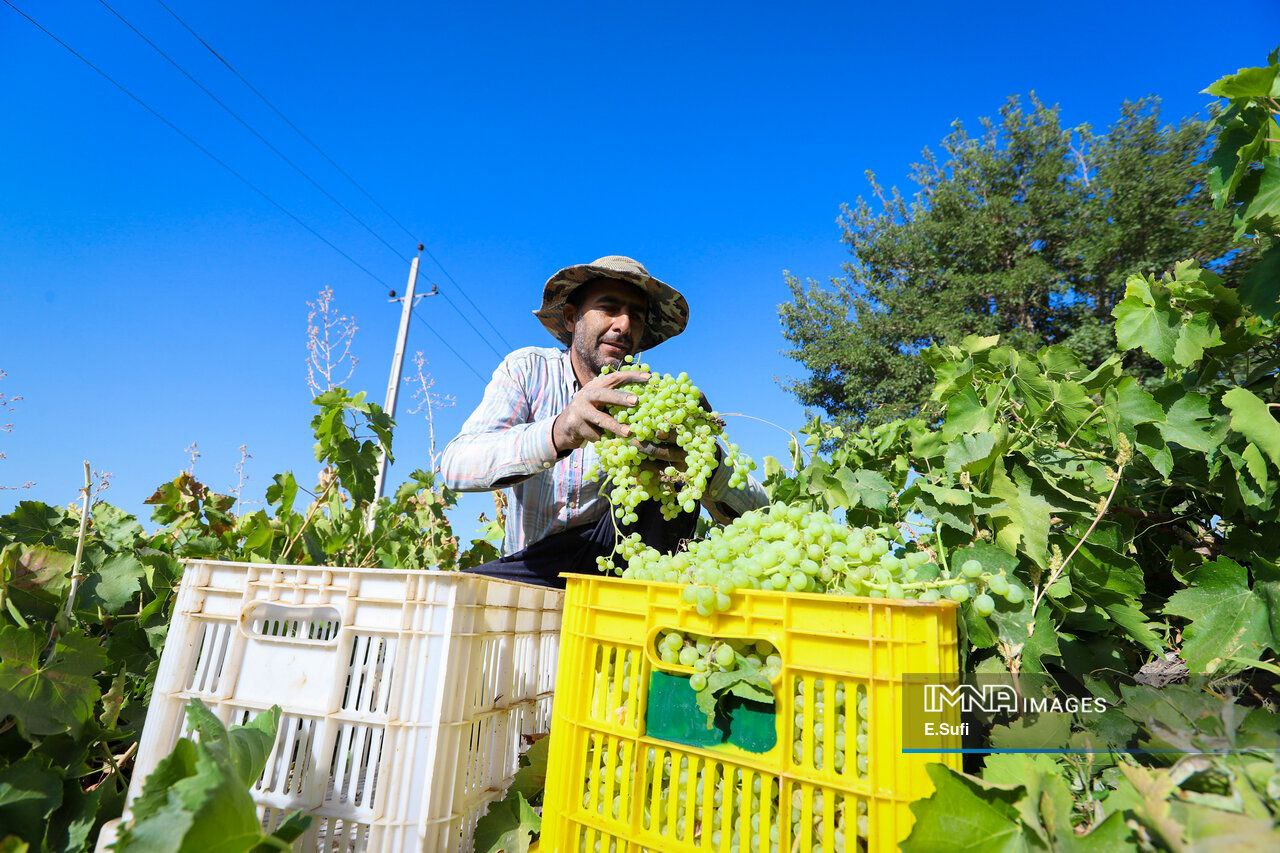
(671, 454)
(584, 419)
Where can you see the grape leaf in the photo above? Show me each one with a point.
(37, 567)
(531, 778)
(1242, 138)
(990, 819)
(970, 453)
(1134, 622)
(36, 523)
(1026, 517)
(1252, 418)
(112, 701)
(1187, 420)
(1260, 288)
(1151, 803)
(197, 798)
(1228, 619)
(507, 826)
(1033, 732)
(54, 696)
(1263, 210)
(150, 807)
(935, 503)
(291, 828)
(282, 492)
(1245, 83)
(215, 806)
(1047, 807)
(746, 681)
(113, 585)
(1144, 319)
(872, 489)
(257, 532)
(29, 792)
(1196, 335)
(753, 690)
(1150, 441)
(966, 414)
(116, 526)
(69, 827)
(244, 748)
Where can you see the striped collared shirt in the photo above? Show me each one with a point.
(506, 444)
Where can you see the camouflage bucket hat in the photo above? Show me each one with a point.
(668, 310)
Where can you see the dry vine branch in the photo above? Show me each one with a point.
(1058, 570)
(241, 477)
(329, 339)
(193, 453)
(427, 402)
(6, 405)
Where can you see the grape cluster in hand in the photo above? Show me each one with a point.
(668, 411)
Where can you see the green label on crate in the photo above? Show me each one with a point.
(672, 714)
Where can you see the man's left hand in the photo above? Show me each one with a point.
(672, 454)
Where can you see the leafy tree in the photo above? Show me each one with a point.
(1027, 229)
(1142, 518)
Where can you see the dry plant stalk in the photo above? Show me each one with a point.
(241, 476)
(500, 508)
(6, 406)
(193, 453)
(329, 338)
(427, 402)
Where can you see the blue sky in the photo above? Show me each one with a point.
(148, 299)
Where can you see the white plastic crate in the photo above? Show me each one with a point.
(405, 694)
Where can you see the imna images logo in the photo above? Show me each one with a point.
(971, 698)
(953, 713)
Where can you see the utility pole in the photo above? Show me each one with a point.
(408, 301)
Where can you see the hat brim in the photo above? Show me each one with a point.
(668, 309)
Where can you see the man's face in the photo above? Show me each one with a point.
(609, 324)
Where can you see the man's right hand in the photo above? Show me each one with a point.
(584, 419)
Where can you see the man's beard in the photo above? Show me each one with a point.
(590, 355)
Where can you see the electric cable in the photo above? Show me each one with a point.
(214, 157)
(280, 114)
(254, 131)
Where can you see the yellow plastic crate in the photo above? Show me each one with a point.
(614, 788)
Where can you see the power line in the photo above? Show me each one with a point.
(233, 172)
(286, 120)
(448, 345)
(254, 131)
(483, 316)
(331, 162)
(298, 169)
(455, 307)
(215, 158)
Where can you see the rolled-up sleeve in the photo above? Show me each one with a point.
(725, 503)
(497, 447)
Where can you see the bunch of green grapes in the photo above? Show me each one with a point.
(790, 548)
(705, 655)
(668, 411)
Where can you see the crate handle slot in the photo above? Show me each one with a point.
(655, 635)
(317, 625)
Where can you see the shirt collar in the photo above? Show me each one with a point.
(570, 378)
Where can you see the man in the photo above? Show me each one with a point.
(533, 430)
